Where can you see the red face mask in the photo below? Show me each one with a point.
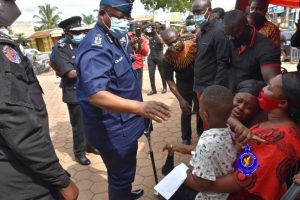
(268, 104)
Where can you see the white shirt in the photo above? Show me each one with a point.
(213, 157)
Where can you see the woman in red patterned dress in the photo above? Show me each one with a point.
(277, 155)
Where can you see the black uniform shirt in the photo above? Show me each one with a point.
(29, 166)
(213, 55)
(65, 61)
(156, 47)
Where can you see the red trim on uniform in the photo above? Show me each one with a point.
(271, 65)
(253, 38)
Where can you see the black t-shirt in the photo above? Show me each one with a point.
(213, 56)
(261, 52)
(186, 74)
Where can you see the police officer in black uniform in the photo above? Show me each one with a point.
(29, 167)
(64, 58)
(156, 45)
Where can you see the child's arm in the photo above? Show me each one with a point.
(224, 184)
(195, 182)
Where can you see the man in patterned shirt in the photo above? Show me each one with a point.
(269, 29)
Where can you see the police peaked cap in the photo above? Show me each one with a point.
(70, 23)
(125, 6)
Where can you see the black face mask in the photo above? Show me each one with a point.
(242, 39)
(9, 12)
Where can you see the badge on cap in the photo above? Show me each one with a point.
(98, 41)
(11, 54)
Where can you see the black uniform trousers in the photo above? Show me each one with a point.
(186, 91)
(140, 77)
(153, 60)
(79, 141)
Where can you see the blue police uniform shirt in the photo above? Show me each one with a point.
(103, 65)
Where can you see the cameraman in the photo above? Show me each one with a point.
(152, 31)
(140, 49)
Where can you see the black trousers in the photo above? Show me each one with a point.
(184, 193)
(186, 91)
(153, 61)
(140, 77)
(79, 141)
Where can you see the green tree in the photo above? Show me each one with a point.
(88, 19)
(48, 17)
(20, 38)
(173, 5)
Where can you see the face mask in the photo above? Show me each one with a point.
(77, 38)
(4, 31)
(200, 19)
(191, 28)
(119, 27)
(268, 104)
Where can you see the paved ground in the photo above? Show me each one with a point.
(92, 180)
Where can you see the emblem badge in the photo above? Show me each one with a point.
(98, 41)
(247, 162)
(11, 54)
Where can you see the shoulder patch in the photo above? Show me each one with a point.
(62, 44)
(11, 54)
(98, 41)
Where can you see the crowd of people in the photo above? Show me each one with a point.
(227, 68)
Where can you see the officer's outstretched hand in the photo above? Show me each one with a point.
(154, 110)
(70, 192)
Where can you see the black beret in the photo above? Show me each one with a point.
(70, 23)
(250, 86)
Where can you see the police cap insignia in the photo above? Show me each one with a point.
(11, 54)
(72, 22)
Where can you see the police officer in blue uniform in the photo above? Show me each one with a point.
(108, 91)
(63, 57)
(29, 167)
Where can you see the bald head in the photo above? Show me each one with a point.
(169, 35)
(199, 7)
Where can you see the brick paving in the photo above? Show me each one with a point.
(92, 179)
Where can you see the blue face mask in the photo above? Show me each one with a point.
(119, 27)
(77, 38)
(190, 28)
(200, 19)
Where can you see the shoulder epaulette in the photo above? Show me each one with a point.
(6, 39)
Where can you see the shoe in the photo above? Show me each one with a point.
(186, 142)
(164, 91)
(93, 150)
(151, 93)
(83, 160)
(136, 194)
(168, 166)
